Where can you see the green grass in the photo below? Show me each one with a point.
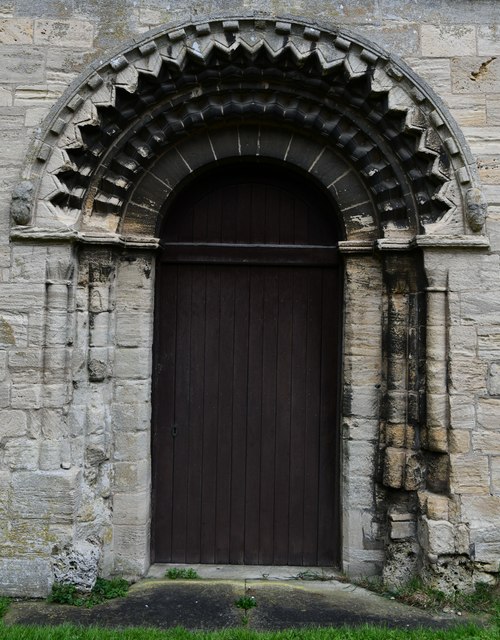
(485, 599)
(103, 590)
(4, 605)
(67, 632)
(177, 573)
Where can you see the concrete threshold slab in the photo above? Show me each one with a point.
(248, 572)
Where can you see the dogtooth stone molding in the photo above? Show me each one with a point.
(360, 104)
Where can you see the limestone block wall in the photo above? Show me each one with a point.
(76, 323)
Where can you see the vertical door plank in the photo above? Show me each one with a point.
(254, 416)
(328, 464)
(181, 404)
(239, 414)
(196, 414)
(283, 416)
(211, 411)
(225, 418)
(268, 434)
(311, 448)
(298, 417)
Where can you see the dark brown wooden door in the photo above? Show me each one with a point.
(245, 446)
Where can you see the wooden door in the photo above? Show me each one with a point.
(245, 444)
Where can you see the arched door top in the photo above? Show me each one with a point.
(186, 85)
(250, 202)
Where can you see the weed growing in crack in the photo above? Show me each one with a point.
(246, 603)
(177, 573)
(102, 590)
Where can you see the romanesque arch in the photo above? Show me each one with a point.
(370, 133)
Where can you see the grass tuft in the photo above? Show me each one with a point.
(177, 573)
(4, 605)
(246, 603)
(103, 590)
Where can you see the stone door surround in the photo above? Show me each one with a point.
(132, 131)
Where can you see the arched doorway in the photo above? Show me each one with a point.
(245, 444)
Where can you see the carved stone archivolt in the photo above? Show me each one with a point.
(161, 102)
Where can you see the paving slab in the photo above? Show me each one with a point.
(209, 604)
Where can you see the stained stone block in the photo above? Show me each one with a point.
(468, 110)
(459, 440)
(495, 474)
(437, 536)
(394, 464)
(133, 329)
(436, 71)
(132, 392)
(132, 540)
(133, 363)
(76, 34)
(440, 41)
(22, 64)
(132, 476)
(13, 423)
(131, 446)
(486, 442)
(489, 342)
(20, 454)
(475, 75)
(470, 474)
(51, 496)
(131, 508)
(13, 327)
(28, 577)
(131, 417)
(462, 412)
(437, 507)
(488, 413)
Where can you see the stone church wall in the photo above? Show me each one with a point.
(76, 320)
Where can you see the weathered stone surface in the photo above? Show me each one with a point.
(475, 74)
(437, 507)
(132, 476)
(23, 576)
(131, 446)
(14, 423)
(16, 31)
(21, 64)
(50, 496)
(470, 474)
(77, 34)
(488, 414)
(438, 536)
(401, 564)
(131, 508)
(436, 71)
(70, 404)
(495, 474)
(441, 41)
(76, 564)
